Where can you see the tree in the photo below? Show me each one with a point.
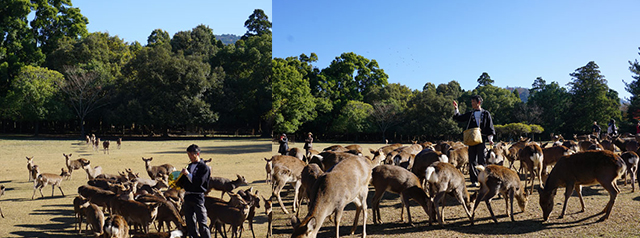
(32, 95)
(354, 118)
(591, 98)
(499, 101)
(429, 115)
(85, 90)
(293, 104)
(552, 102)
(385, 115)
(484, 80)
(56, 20)
(633, 111)
(258, 24)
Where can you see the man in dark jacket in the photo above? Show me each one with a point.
(284, 144)
(195, 181)
(478, 117)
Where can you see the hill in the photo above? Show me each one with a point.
(228, 38)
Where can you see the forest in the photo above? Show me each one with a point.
(351, 100)
(58, 78)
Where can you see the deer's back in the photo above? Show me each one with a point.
(585, 167)
(290, 162)
(393, 177)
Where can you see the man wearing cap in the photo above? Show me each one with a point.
(195, 181)
(308, 144)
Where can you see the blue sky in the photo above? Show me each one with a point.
(135, 20)
(416, 42)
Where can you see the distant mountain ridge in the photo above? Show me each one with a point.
(228, 38)
(523, 92)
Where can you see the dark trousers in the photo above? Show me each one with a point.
(476, 157)
(196, 215)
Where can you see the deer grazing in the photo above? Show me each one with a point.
(631, 160)
(444, 178)
(226, 185)
(496, 179)
(586, 168)
(161, 171)
(286, 169)
(74, 164)
(398, 180)
(347, 182)
(44, 179)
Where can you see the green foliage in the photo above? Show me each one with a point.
(354, 118)
(499, 102)
(591, 99)
(258, 24)
(633, 111)
(228, 38)
(292, 102)
(429, 115)
(32, 95)
(553, 102)
(56, 20)
(485, 80)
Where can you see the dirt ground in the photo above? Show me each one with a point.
(53, 216)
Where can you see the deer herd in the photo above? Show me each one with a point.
(329, 180)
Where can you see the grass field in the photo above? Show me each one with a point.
(53, 216)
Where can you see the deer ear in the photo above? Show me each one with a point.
(311, 225)
(294, 220)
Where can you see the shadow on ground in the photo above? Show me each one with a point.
(233, 150)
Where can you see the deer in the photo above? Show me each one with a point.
(225, 185)
(308, 177)
(167, 211)
(30, 168)
(116, 227)
(494, 180)
(335, 148)
(74, 164)
(347, 182)
(357, 149)
(233, 213)
(253, 200)
(328, 159)
(398, 180)
(533, 158)
(119, 142)
(444, 178)
(44, 179)
(458, 157)
(423, 160)
(96, 144)
(78, 202)
(92, 173)
(95, 218)
(268, 210)
(268, 168)
(378, 156)
(286, 169)
(630, 159)
(160, 171)
(586, 168)
(138, 213)
(105, 146)
(552, 155)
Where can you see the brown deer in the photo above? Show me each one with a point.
(225, 185)
(73, 164)
(398, 180)
(532, 157)
(296, 152)
(630, 158)
(286, 169)
(268, 168)
(269, 212)
(105, 146)
(30, 168)
(586, 168)
(95, 218)
(552, 155)
(423, 160)
(119, 142)
(347, 182)
(496, 179)
(92, 173)
(116, 227)
(78, 203)
(161, 171)
(444, 179)
(42, 180)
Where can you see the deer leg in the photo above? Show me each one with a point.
(405, 204)
(61, 190)
(359, 206)
(578, 189)
(488, 202)
(295, 194)
(633, 181)
(567, 193)
(439, 214)
(510, 203)
(338, 213)
(278, 185)
(375, 203)
(613, 190)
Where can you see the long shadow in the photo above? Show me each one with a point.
(233, 149)
(62, 218)
(6, 181)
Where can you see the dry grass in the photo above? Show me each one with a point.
(53, 216)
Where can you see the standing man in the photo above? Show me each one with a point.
(612, 130)
(284, 144)
(195, 181)
(595, 130)
(308, 144)
(478, 117)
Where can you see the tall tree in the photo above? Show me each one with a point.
(85, 90)
(32, 95)
(554, 102)
(258, 24)
(56, 20)
(485, 80)
(429, 115)
(633, 111)
(591, 98)
(354, 118)
(292, 102)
